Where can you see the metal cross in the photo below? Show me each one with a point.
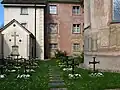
(15, 35)
(73, 64)
(94, 63)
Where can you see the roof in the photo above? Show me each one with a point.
(38, 1)
(23, 1)
(66, 1)
(11, 22)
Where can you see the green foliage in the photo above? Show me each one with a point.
(79, 57)
(59, 54)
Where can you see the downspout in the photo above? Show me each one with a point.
(35, 29)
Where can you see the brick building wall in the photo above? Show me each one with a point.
(63, 28)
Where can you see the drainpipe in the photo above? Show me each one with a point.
(35, 29)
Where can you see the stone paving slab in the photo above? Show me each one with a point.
(58, 88)
(58, 83)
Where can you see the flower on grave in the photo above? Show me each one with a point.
(67, 69)
(74, 76)
(23, 76)
(17, 67)
(13, 70)
(2, 76)
(96, 74)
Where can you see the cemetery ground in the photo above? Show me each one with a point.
(40, 79)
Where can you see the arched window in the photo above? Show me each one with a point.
(116, 11)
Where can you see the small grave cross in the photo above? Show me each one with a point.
(73, 64)
(15, 35)
(94, 63)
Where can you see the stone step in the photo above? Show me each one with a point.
(58, 88)
(56, 83)
(54, 80)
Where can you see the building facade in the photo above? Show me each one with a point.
(55, 24)
(101, 33)
(64, 27)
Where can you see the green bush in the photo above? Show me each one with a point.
(79, 58)
(59, 54)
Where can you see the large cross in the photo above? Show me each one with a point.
(94, 63)
(15, 35)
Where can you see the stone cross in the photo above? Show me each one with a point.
(94, 63)
(15, 35)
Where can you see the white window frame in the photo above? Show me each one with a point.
(76, 47)
(24, 11)
(76, 10)
(53, 9)
(76, 28)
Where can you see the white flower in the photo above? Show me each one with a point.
(64, 69)
(2, 76)
(13, 70)
(96, 75)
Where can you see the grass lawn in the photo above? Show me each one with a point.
(39, 80)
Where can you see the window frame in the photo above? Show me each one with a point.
(50, 9)
(21, 11)
(54, 46)
(112, 12)
(49, 31)
(76, 27)
(76, 10)
(77, 49)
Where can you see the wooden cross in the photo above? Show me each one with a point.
(15, 35)
(94, 63)
(73, 64)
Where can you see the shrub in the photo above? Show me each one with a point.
(59, 54)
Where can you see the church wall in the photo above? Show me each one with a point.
(40, 33)
(9, 40)
(15, 13)
(102, 37)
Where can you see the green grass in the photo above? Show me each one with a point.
(39, 80)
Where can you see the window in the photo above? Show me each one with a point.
(52, 28)
(76, 10)
(24, 24)
(53, 9)
(24, 11)
(76, 47)
(53, 46)
(116, 10)
(76, 28)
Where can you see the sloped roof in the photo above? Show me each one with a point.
(66, 1)
(11, 22)
(39, 1)
(23, 1)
